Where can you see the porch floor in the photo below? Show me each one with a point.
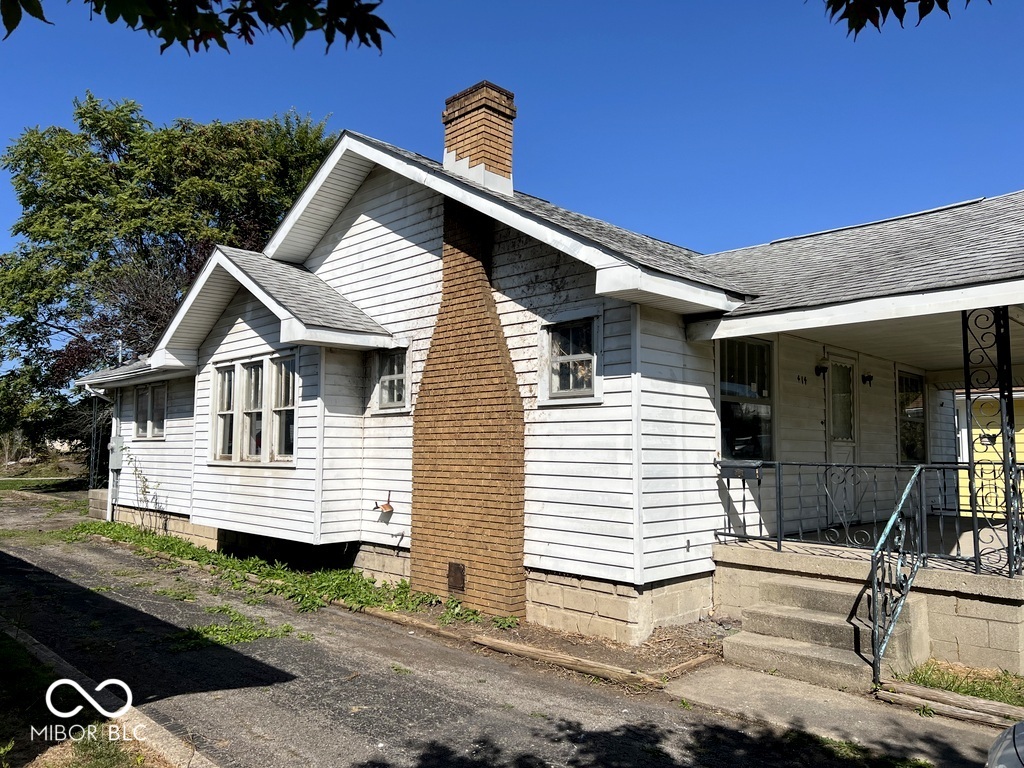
(950, 544)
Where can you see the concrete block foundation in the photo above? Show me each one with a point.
(624, 613)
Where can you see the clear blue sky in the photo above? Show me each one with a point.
(706, 123)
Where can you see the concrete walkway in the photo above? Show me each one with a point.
(834, 714)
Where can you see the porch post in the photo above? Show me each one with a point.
(988, 381)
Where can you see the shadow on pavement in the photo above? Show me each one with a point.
(710, 745)
(104, 638)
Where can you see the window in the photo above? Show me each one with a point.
(573, 359)
(252, 412)
(150, 410)
(745, 393)
(244, 407)
(911, 415)
(225, 413)
(284, 407)
(391, 379)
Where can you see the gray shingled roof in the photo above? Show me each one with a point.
(123, 371)
(972, 243)
(633, 247)
(307, 297)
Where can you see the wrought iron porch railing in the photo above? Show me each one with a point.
(964, 521)
(895, 561)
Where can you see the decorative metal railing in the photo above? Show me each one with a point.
(895, 561)
(850, 505)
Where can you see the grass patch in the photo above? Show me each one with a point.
(177, 593)
(994, 685)
(239, 629)
(854, 754)
(308, 591)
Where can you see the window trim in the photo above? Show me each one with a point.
(379, 379)
(239, 413)
(150, 390)
(772, 401)
(545, 397)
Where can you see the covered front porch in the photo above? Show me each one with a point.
(844, 434)
(886, 446)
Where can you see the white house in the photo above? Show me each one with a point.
(545, 414)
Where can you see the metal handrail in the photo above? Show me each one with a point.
(890, 580)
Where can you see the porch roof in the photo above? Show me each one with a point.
(967, 244)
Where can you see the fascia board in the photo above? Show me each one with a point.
(218, 259)
(322, 174)
(293, 331)
(189, 300)
(625, 277)
(556, 237)
(140, 377)
(176, 358)
(545, 233)
(863, 311)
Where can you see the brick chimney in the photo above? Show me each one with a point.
(478, 135)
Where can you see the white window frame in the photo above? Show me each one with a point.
(146, 424)
(269, 412)
(546, 395)
(281, 407)
(381, 380)
(721, 398)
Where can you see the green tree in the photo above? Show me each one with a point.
(118, 216)
(859, 13)
(198, 23)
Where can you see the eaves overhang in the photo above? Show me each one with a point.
(347, 166)
(861, 311)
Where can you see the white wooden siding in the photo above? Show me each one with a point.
(681, 504)
(157, 473)
(269, 499)
(383, 252)
(579, 474)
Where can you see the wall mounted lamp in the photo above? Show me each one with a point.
(822, 367)
(866, 378)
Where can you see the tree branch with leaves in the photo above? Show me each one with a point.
(196, 24)
(859, 13)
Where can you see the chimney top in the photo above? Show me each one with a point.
(478, 135)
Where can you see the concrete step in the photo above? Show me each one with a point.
(798, 607)
(810, 626)
(798, 660)
(816, 594)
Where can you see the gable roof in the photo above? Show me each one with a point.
(305, 296)
(630, 266)
(310, 312)
(971, 243)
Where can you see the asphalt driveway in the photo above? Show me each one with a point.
(339, 689)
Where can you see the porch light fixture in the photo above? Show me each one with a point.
(822, 367)
(866, 378)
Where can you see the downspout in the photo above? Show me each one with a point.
(114, 479)
(636, 386)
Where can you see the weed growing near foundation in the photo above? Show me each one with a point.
(308, 591)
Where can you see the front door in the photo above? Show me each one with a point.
(841, 437)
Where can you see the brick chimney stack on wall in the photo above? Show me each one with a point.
(478, 135)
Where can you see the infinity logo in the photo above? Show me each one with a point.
(87, 697)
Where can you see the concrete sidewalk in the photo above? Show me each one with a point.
(860, 719)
